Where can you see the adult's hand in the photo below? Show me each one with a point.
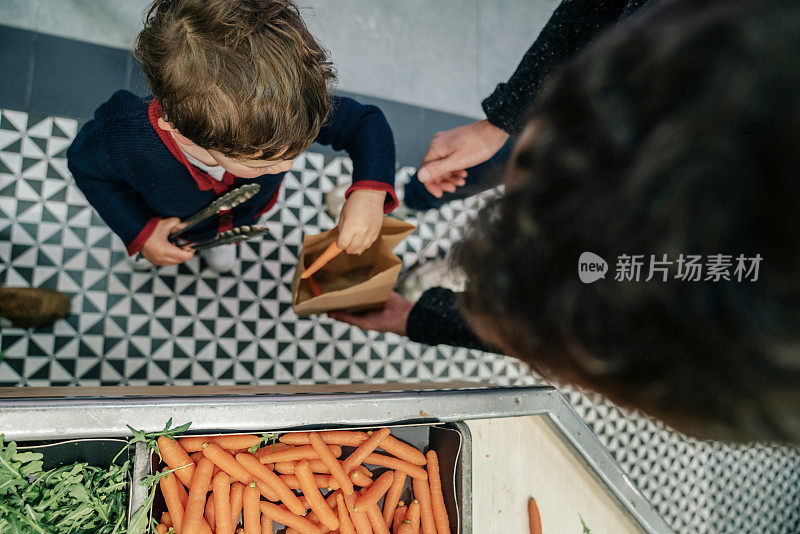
(392, 318)
(452, 152)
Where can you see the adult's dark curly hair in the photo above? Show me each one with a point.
(676, 133)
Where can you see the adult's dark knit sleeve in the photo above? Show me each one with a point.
(364, 133)
(573, 24)
(121, 207)
(436, 320)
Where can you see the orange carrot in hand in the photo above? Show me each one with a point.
(393, 496)
(285, 517)
(423, 494)
(331, 252)
(169, 489)
(252, 509)
(221, 488)
(176, 458)
(437, 498)
(374, 493)
(333, 464)
(315, 499)
(193, 516)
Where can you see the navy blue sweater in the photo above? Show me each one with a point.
(133, 173)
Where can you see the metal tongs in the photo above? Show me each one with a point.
(227, 201)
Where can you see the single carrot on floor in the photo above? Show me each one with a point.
(259, 470)
(422, 492)
(534, 518)
(252, 509)
(236, 497)
(404, 451)
(169, 489)
(414, 515)
(391, 462)
(393, 496)
(201, 482)
(437, 498)
(176, 458)
(374, 493)
(345, 523)
(285, 517)
(332, 463)
(221, 488)
(327, 255)
(314, 497)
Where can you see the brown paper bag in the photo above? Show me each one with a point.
(350, 282)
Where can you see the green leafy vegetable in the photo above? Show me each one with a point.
(71, 499)
(265, 438)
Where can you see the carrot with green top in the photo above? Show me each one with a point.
(176, 458)
(327, 255)
(326, 516)
(195, 506)
(169, 490)
(285, 517)
(414, 471)
(393, 496)
(260, 471)
(437, 497)
(337, 472)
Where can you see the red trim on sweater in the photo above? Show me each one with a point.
(271, 202)
(204, 181)
(225, 221)
(137, 244)
(391, 197)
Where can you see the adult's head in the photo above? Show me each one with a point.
(677, 133)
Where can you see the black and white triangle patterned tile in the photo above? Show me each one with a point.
(188, 325)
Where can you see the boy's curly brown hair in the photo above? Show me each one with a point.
(244, 78)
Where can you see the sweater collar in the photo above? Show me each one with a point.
(203, 180)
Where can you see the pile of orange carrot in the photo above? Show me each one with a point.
(306, 482)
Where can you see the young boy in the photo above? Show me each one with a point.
(240, 89)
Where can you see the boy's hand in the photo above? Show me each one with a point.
(159, 251)
(361, 220)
